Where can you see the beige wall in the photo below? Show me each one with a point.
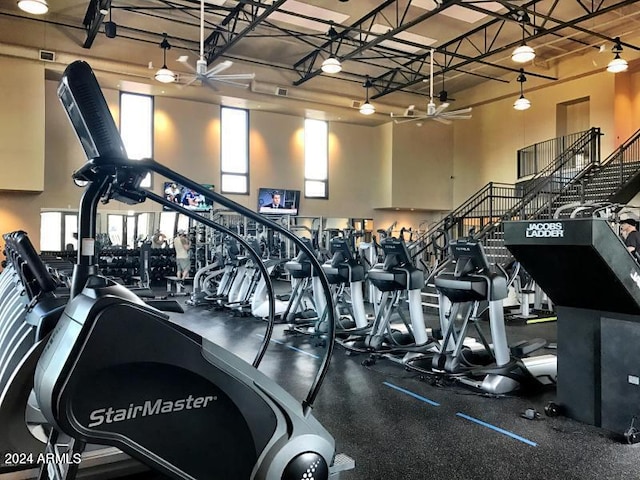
(422, 168)
(485, 147)
(21, 125)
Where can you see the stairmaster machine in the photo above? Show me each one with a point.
(117, 372)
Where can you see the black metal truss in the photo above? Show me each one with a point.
(306, 67)
(483, 40)
(93, 19)
(252, 12)
(356, 42)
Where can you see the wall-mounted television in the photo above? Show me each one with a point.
(187, 198)
(278, 201)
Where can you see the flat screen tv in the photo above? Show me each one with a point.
(278, 201)
(174, 192)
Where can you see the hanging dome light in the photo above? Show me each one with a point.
(35, 7)
(522, 103)
(366, 108)
(523, 54)
(617, 65)
(164, 75)
(331, 65)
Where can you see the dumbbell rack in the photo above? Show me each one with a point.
(124, 263)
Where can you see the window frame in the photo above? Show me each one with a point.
(247, 162)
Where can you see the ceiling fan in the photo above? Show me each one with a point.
(213, 75)
(437, 113)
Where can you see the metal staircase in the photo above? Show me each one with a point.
(496, 202)
(576, 177)
(616, 180)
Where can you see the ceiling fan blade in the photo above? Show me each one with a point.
(229, 82)
(190, 82)
(442, 120)
(406, 120)
(440, 108)
(456, 117)
(233, 76)
(220, 67)
(185, 61)
(462, 111)
(206, 81)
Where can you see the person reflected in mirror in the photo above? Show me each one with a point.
(158, 240)
(631, 236)
(181, 244)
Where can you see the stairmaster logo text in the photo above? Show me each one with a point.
(545, 230)
(148, 408)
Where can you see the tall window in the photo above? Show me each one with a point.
(58, 231)
(136, 127)
(234, 150)
(316, 159)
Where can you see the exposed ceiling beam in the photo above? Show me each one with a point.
(220, 41)
(401, 27)
(383, 86)
(93, 19)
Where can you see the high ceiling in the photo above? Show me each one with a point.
(285, 41)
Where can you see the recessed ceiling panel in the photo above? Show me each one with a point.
(408, 36)
(458, 11)
(308, 11)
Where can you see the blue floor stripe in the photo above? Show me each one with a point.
(497, 429)
(410, 393)
(291, 347)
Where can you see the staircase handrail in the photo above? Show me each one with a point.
(424, 240)
(543, 179)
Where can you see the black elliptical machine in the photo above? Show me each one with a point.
(495, 368)
(117, 372)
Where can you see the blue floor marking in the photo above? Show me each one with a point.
(290, 347)
(497, 429)
(410, 393)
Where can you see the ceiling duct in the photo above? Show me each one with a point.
(282, 92)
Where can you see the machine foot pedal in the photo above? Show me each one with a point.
(341, 463)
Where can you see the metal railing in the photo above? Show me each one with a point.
(496, 202)
(624, 161)
(537, 157)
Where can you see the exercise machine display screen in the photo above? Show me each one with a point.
(470, 251)
(89, 114)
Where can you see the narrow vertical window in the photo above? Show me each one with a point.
(316, 159)
(136, 127)
(51, 231)
(234, 150)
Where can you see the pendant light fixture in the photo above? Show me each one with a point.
(332, 63)
(110, 27)
(523, 53)
(366, 108)
(522, 103)
(164, 75)
(35, 7)
(618, 64)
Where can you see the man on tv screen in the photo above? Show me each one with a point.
(276, 198)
